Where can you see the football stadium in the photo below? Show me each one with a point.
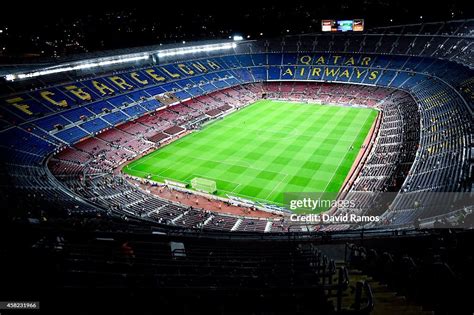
(321, 171)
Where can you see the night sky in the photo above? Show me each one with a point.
(50, 30)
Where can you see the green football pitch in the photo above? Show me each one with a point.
(266, 149)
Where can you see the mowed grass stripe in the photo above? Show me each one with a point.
(266, 149)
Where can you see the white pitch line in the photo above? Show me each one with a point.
(279, 183)
(340, 162)
(238, 185)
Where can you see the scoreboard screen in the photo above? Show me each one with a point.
(342, 25)
(345, 25)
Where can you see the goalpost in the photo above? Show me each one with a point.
(204, 185)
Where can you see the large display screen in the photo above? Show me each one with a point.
(356, 25)
(345, 25)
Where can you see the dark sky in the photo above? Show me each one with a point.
(79, 26)
(232, 13)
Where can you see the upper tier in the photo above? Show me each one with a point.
(89, 97)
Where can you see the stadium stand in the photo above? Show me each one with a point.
(351, 272)
(84, 127)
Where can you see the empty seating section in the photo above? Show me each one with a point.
(183, 274)
(391, 157)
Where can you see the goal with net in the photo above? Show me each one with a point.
(204, 185)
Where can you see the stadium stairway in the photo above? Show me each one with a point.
(434, 272)
(385, 300)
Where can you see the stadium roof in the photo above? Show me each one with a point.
(122, 56)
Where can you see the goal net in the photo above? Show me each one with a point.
(204, 185)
